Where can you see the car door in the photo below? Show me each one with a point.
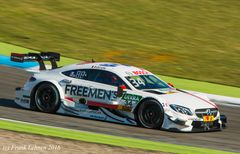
(98, 88)
(106, 84)
(109, 83)
(93, 85)
(78, 84)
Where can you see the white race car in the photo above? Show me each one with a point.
(116, 93)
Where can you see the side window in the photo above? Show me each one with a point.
(94, 75)
(109, 78)
(84, 74)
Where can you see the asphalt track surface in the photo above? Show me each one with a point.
(228, 139)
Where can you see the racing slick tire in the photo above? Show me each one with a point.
(47, 98)
(150, 114)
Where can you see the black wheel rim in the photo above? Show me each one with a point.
(46, 98)
(151, 115)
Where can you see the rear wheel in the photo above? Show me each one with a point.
(150, 114)
(47, 98)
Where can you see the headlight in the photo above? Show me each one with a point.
(181, 109)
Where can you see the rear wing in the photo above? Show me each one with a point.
(39, 57)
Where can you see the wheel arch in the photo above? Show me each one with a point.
(54, 83)
(135, 111)
(143, 100)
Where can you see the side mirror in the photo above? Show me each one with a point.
(170, 84)
(120, 90)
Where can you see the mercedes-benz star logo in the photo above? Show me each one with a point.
(208, 111)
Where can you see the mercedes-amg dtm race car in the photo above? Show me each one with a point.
(116, 93)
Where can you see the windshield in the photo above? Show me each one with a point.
(147, 82)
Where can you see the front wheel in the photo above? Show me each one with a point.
(47, 98)
(150, 114)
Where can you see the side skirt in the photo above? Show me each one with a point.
(100, 114)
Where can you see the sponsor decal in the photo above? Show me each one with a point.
(109, 65)
(124, 108)
(98, 67)
(131, 99)
(208, 118)
(90, 111)
(110, 106)
(136, 81)
(78, 74)
(140, 72)
(83, 91)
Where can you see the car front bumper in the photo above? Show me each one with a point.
(183, 123)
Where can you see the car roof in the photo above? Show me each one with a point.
(119, 69)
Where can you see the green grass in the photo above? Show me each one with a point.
(206, 87)
(105, 139)
(189, 39)
(6, 49)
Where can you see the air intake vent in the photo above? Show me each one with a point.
(206, 112)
